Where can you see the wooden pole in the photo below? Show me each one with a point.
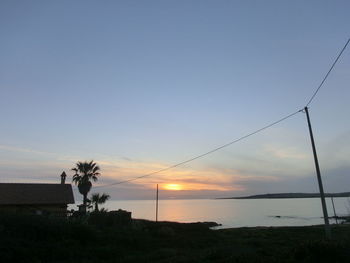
(157, 205)
(335, 214)
(319, 179)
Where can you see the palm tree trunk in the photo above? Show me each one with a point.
(96, 207)
(85, 199)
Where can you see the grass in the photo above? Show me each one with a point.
(42, 239)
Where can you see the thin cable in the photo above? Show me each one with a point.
(329, 71)
(204, 154)
(241, 138)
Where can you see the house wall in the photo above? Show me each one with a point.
(54, 209)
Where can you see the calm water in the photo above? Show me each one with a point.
(236, 213)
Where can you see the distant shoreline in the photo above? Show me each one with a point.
(288, 195)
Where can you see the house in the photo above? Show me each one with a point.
(36, 198)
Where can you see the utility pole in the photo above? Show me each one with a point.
(335, 214)
(157, 205)
(319, 179)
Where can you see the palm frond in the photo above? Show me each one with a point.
(84, 173)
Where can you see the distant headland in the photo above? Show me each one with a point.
(289, 195)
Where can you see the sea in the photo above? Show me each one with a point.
(236, 212)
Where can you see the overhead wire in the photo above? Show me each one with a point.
(241, 138)
(204, 154)
(329, 71)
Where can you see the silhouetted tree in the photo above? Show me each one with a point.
(85, 172)
(97, 199)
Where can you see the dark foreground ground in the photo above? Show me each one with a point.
(40, 239)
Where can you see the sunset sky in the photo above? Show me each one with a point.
(138, 86)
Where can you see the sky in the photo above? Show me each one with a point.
(138, 86)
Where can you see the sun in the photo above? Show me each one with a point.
(174, 187)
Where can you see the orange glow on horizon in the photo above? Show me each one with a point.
(173, 187)
(181, 179)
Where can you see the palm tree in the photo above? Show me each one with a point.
(97, 199)
(84, 173)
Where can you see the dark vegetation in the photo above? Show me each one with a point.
(97, 238)
(84, 173)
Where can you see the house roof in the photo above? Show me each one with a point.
(28, 194)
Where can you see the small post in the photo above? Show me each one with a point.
(157, 205)
(319, 179)
(335, 214)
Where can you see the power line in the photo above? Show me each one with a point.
(329, 71)
(204, 154)
(239, 139)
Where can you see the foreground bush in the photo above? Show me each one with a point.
(45, 239)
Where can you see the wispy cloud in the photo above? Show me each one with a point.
(196, 180)
(22, 150)
(190, 179)
(285, 152)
